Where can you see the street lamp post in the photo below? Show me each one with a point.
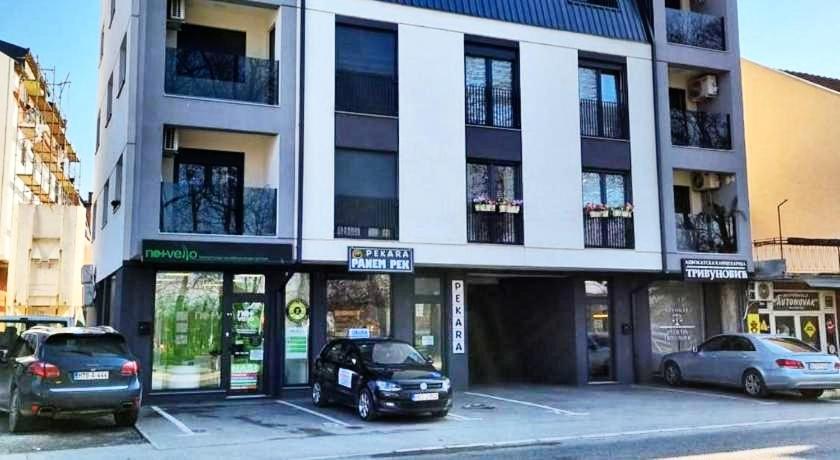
(779, 217)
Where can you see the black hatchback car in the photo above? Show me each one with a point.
(65, 372)
(379, 376)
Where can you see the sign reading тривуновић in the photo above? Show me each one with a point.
(380, 260)
(714, 270)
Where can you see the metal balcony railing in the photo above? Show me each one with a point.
(701, 129)
(217, 210)
(366, 218)
(491, 106)
(706, 233)
(366, 93)
(801, 255)
(611, 232)
(696, 29)
(221, 76)
(603, 119)
(493, 227)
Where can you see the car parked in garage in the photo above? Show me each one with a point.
(759, 364)
(66, 372)
(379, 376)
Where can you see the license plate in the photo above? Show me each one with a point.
(819, 366)
(93, 375)
(424, 397)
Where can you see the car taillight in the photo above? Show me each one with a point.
(790, 364)
(44, 370)
(837, 365)
(129, 368)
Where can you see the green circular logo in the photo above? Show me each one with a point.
(297, 310)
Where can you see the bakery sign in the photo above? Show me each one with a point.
(380, 260)
(714, 270)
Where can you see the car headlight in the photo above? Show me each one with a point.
(446, 384)
(384, 385)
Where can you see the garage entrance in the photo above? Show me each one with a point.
(521, 330)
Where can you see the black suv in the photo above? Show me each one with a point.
(64, 372)
(379, 376)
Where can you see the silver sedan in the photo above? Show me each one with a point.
(757, 363)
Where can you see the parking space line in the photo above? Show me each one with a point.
(312, 412)
(178, 424)
(461, 418)
(526, 403)
(706, 394)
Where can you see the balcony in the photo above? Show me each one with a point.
(366, 218)
(696, 29)
(613, 232)
(187, 208)
(493, 227)
(491, 106)
(700, 129)
(603, 119)
(708, 233)
(221, 76)
(801, 255)
(369, 93)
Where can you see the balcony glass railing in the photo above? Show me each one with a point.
(613, 232)
(706, 233)
(216, 210)
(696, 29)
(492, 106)
(603, 119)
(700, 129)
(366, 218)
(221, 76)
(493, 227)
(366, 93)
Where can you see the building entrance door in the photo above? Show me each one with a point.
(244, 334)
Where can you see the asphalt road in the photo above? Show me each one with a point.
(802, 441)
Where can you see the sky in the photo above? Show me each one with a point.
(64, 34)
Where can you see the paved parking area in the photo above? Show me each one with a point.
(65, 434)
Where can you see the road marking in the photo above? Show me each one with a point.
(312, 412)
(179, 424)
(526, 403)
(706, 394)
(461, 418)
(770, 452)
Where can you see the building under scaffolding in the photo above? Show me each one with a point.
(43, 231)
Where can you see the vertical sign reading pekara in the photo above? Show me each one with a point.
(458, 317)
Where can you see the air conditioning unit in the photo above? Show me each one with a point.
(705, 181)
(170, 140)
(763, 291)
(703, 88)
(177, 10)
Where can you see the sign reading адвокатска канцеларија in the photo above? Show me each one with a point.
(714, 270)
(380, 260)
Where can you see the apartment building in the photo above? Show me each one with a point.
(480, 182)
(43, 240)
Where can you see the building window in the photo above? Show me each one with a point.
(603, 112)
(98, 129)
(123, 63)
(359, 306)
(101, 44)
(492, 96)
(118, 185)
(110, 102)
(296, 367)
(106, 193)
(188, 331)
(499, 184)
(676, 318)
(428, 319)
(366, 199)
(607, 212)
(93, 221)
(366, 70)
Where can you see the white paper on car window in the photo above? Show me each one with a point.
(345, 377)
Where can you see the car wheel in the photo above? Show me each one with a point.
(18, 423)
(673, 375)
(319, 399)
(126, 418)
(754, 384)
(364, 406)
(811, 394)
(440, 414)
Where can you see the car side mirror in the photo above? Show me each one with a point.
(354, 361)
(695, 349)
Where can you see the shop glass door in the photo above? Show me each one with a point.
(428, 319)
(245, 334)
(809, 330)
(296, 333)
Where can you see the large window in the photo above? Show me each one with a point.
(187, 333)
(491, 87)
(607, 212)
(366, 199)
(498, 185)
(366, 70)
(359, 306)
(428, 319)
(602, 108)
(676, 318)
(296, 367)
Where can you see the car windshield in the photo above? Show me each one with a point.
(391, 353)
(791, 345)
(105, 345)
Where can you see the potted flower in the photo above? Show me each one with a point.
(510, 206)
(483, 203)
(596, 210)
(626, 211)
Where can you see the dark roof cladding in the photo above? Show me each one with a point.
(624, 22)
(826, 82)
(13, 51)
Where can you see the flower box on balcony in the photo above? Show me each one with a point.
(599, 214)
(484, 207)
(622, 213)
(510, 208)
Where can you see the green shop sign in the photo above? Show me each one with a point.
(189, 252)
